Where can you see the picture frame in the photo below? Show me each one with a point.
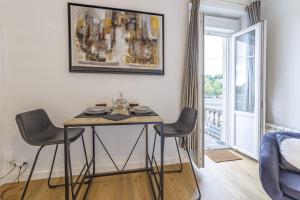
(114, 40)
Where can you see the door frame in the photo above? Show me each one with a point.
(226, 97)
(260, 87)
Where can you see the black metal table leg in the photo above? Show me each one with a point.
(94, 152)
(66, 162)
(146, 141)
(87, 175)
(161, 174)
(70, 171)
(85, 154)
(153, 150)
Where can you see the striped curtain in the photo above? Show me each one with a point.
(254, 10)
(189, 96)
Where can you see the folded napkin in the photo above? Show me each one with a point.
(120, 112)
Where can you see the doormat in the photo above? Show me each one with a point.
(221, 155)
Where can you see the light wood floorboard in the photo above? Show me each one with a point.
(235, 180)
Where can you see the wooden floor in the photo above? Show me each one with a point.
(235, 180)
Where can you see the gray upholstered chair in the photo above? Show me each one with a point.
(279, 184)
(36, 129)
(182, 128)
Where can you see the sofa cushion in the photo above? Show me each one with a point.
(290, 183)
(289, 144)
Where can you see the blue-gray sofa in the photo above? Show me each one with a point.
(279, 184)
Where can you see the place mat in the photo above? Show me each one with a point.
(221, 155)
(116, 117)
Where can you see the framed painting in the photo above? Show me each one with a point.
(112, 40)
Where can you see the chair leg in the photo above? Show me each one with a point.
(180, 161)
(52, 165)
(50, 174)
(188, 152)
(31, 172)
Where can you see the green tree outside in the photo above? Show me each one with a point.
(213, 86)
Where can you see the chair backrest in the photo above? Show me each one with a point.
(188, 119)
(32, 124)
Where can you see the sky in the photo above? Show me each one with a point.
(214, 55)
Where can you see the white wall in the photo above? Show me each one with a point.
(1, 99)
(37, 76)
(283, 62)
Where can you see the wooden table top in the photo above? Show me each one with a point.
(94, 121)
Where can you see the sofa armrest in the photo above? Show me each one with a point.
(269, 166)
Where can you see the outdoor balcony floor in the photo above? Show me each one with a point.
(213, 143)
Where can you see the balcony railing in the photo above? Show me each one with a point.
(213, 121)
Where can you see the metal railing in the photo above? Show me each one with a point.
(213, 121)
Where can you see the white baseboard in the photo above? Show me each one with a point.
(43, 174)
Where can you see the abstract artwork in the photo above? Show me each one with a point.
(115, 40)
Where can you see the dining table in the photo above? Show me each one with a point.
(88, 173)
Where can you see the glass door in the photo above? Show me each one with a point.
(247, 90)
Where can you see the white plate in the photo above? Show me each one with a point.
(96, 108)
(142, 108)
(142, 112)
